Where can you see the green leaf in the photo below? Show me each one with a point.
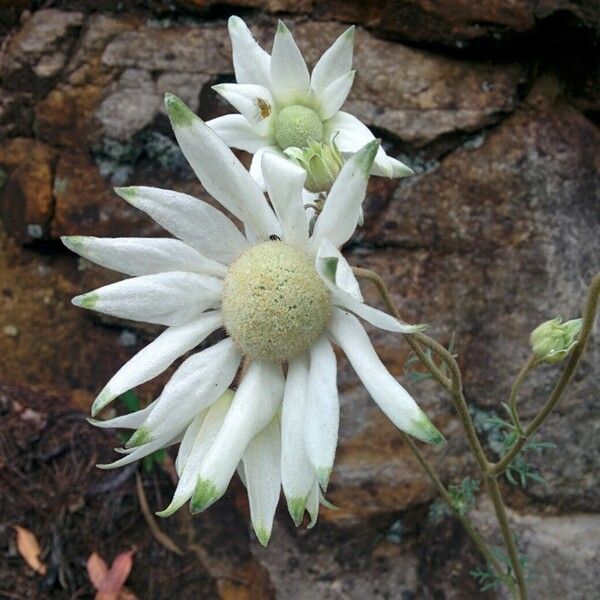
(130, 400)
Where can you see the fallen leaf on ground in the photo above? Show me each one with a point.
(29, 549)
(109, 582)
(97, 569)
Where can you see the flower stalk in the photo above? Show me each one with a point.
(490, 471)
(589, 318)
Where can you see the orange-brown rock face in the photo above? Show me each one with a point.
(495, 106)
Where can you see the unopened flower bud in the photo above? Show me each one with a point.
(553, 340)
(322, 163)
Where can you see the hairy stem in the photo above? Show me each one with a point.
(509, 541)
(589, 318)
(412, 339)
(490, 471)
(465, 521)
(531, 363)
(454, 386)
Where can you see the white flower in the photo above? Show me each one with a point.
(282, 106)
(282, 295)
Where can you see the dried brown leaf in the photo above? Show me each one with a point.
(109, 582)
(29, 549)
(118, 573)
(97, 569)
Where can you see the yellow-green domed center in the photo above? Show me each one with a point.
(274, 302)
(296, 125)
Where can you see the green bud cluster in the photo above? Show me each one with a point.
(322, 163)
(553, 340)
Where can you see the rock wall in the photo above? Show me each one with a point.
(494, 104)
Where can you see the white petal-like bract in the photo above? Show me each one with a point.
(203, 440)
(257, 399)
(262, 473)
(391, 397)
(171, 298)
(284, 182)
(219, 171)
(254, 102)
(297, 472)
(157, 356)
(196, 384)
(143, 256)
(340, 215)
(335, 62)
(237, 132)
(322, 416)
(334, 95)
(250, 62)
(289, 76)
(193, 221)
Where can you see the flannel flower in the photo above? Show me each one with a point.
(282, 293)
(282, 107)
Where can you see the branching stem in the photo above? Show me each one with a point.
(471, 530)
(489, 471)
(589, 318)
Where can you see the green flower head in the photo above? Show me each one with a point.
(322, 163)
(553, 340)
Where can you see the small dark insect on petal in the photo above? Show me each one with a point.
(274, 238)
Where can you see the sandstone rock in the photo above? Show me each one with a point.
(512, 201)
(306, 566)
(87, 205)
(458, 23)
(564, 554)
(563, 551)
(56, 344)
(65, 116)
(183, 49)
(569, 469)
(26, 201)
(272, 6)
(486, 249)
(419, 97)
(130, 106)
(39, 51)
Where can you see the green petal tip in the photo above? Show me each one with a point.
(127, 193)
(366, 156)
(205, 494)
(167, 512)
(86, 300)
(296, 508)
(104, 398)
(426, 431)
(73, 242)
(263, 535)
(233, 21)
(323, 475)
(141, 436)
(328, 504)
(179, 113)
